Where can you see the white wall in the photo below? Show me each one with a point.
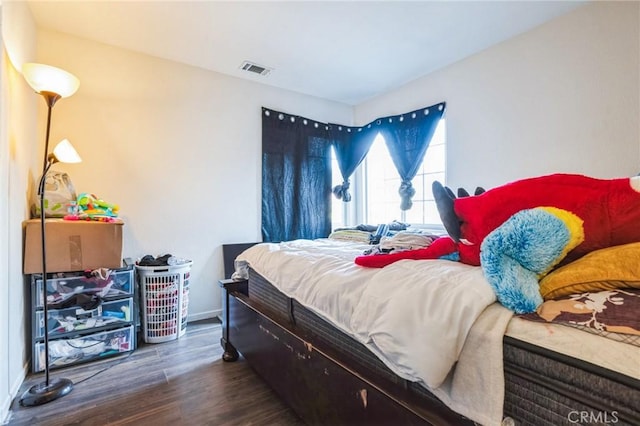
(5, 388)
(563, 97)
(19, 153)
(178, 148)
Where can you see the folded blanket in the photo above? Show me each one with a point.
(406, 240)
(440, 247)
(351, 235)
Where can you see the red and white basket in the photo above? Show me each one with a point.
(165, 301)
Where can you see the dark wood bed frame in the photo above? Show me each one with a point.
(323, 386)
(311, 378)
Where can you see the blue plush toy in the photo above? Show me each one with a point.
(517, 254)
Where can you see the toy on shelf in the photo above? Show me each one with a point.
(89, 207)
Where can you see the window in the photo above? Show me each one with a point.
(378, 191)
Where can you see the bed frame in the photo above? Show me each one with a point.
(329, 378)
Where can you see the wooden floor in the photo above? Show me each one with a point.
(182, 382)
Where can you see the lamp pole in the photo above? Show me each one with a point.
(51, 99)
(43, 238)
(43, 78)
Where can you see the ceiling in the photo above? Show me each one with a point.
(346, 51)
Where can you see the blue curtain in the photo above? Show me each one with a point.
(296, 178)
(407, 137)
(351, 145)
(296, 165)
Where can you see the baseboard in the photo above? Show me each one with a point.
(205, 315)
(5, 408)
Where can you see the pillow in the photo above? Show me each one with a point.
(605, 269)
(610, 313)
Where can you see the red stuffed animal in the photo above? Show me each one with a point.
(610, 209)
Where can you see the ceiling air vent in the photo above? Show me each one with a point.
(255, 68)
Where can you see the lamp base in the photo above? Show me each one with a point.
(42, 393)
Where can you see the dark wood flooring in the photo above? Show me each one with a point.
(182, 382)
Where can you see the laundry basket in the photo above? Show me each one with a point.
(165, 301)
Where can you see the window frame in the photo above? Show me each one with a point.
(355, 212)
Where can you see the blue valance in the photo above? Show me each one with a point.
(407, 137)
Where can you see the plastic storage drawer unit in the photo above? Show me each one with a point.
(59, 290)
(84, 348)
(89, 316)
(77, 318)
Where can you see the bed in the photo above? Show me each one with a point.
(350, 364)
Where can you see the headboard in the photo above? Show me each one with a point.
(229, 253)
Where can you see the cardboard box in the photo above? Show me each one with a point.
(72, 245)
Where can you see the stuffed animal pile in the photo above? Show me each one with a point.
(519, 231)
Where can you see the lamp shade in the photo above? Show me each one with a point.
(64, 152)
(45, 78)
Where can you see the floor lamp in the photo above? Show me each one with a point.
(53, 84)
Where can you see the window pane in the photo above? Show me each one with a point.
(418, 185)
(415, 214)
(382, 182)
(429, 178)
(434, 158)
(382, 201)
(431, 214)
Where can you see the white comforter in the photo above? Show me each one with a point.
(414, 315)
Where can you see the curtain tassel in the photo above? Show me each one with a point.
(342, 191)
(406, 192)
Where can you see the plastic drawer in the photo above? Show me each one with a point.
(63, 352)
(76, 318)
(66, 289)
